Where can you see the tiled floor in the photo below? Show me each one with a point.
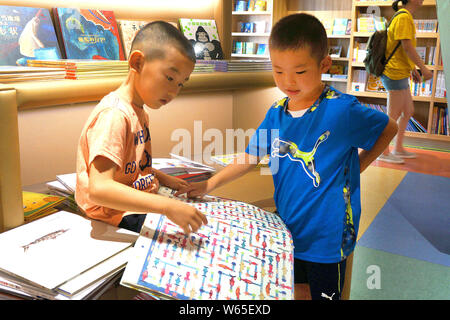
(403, 249)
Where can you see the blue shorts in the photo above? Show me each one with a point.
(390, 84)
(325, 280)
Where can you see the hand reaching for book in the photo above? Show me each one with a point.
(194, 190)
(187, 217)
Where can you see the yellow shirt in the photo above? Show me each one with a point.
(402, 27)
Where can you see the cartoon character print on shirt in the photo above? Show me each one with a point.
(281, 149)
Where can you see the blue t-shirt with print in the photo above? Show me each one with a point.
(315, 167)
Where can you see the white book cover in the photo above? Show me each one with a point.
(55, 249)
(69, 180)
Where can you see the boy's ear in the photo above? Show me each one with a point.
(136, 60)
(325, 64)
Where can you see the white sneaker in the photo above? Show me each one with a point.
(390, 158)
(404, 154)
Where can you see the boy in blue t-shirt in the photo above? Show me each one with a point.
(312, 136)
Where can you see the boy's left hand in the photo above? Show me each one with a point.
(154, 186)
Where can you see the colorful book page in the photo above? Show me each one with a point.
(243, 252)
(26, 33)
(89, 34)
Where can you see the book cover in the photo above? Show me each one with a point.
(127, 30)
(26, 33)
(374, 84)
(243, 253)
(89, 34)
(203, 35)
(340, 26)
(55, 249)
(39, 204)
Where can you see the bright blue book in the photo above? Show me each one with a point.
(89, 34)
(26, 33)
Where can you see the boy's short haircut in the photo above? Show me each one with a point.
(155, 36)
(297, 31)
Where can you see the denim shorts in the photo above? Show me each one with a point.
(390, 84)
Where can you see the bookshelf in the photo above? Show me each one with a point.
(250, 28)
(425, 106)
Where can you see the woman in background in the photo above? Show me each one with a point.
(395, 77)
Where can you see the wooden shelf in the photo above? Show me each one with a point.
(249, 34)
(387, 3)
(246, 13)
(36, 94)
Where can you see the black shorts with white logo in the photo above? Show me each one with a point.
(325, 280)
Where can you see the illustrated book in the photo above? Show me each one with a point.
(244, 252)
(26, 33)
(203, 35)
(89, 34)
(54, 250)
(39, 204)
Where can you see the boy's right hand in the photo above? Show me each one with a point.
(189, 218)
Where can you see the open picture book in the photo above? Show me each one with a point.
(244, 252)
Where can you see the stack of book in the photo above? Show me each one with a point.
(441, 89)
(183, 168)
(218, 65)
(37, 205)
(84, 68)
(23, 73)
(249, 65)
(65, 185)
(226, 159)
(63, 256)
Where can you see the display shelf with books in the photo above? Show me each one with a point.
(425, 94)
(335, 16)
(250, 28)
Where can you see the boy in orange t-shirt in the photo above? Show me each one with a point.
(115, 179)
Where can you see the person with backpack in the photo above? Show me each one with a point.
(395, 77)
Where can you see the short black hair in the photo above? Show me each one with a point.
(155, 36)
(300, 30)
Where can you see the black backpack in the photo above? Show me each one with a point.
(375, 60)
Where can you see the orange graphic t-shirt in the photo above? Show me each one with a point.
(120, 132)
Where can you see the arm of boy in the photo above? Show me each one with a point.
(107, 192)
(240, 166)
(170, 181)
(367, 156)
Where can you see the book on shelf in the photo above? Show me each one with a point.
(441, 89)
(359, 79)
(89, 34)
(335, 51)
(422, 88)
(440, 123)
(63, 255)
(127, 31)
(374, 84)
(25, 73)
(244, 252)
(26, 33)
(340, 26)
(359, 51)
(85, 68)
(413, 125)
(426, 25)
(204, 37)
(365, 23)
